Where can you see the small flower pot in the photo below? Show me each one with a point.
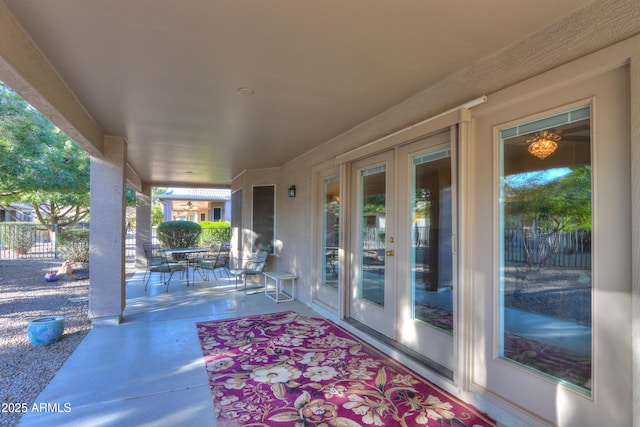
(45, 330)
(51, 277)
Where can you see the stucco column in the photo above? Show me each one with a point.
(107, 242)
(143, 225)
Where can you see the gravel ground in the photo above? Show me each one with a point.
(25, 370)
(563, 293)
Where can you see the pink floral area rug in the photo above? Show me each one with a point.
(284, 369)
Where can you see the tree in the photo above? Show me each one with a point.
(61, 209)
(562, 204)
(157, 215)
(131, 197)
(40, 165)
(375, 203)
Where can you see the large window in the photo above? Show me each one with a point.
(264, 216)
(545, 247)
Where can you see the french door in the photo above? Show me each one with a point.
(404, 267)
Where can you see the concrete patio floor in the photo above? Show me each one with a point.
(149, 370)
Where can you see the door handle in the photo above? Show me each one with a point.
(390, 253)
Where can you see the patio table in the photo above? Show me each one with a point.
(186, 251)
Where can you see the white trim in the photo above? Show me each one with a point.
(634, 71)
(410, 133)
(465, 241)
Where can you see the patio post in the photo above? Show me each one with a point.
(143, 224)
(107, 238)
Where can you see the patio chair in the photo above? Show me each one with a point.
(224, 258)
(214, 262)
(154, 257)
(253, 267)
(160, 264)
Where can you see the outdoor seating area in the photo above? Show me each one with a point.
(200, 265)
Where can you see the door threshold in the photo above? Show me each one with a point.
(438, 369)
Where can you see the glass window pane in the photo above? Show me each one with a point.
(431, 255)
(263, 216)
(545, 226)
(373, 216)
(330, 230)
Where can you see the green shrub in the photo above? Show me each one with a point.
(74, 244)
(179, 234)
(214, 233)
(19, 237)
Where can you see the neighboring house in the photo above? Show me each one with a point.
(196, 204)
(17, 212)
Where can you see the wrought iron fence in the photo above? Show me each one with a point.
(543, 248)
(38, 241)
(561, 249)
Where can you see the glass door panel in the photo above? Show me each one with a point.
(426, 291)
(431, 256)
(372, 298)
(373, 209)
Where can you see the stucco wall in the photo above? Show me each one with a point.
(294, 225)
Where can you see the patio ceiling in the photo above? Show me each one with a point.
(203, 90)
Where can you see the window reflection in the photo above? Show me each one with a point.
(432, 260)
(546, 285)
(373, 229)
(331, 230)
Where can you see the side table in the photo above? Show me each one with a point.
(279, 277)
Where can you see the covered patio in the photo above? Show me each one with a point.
(326, 100)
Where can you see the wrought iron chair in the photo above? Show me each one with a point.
(253, 267)
(214, 262)
(157, 262)
(153, 256)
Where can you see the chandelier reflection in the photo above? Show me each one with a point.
(543, 144)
